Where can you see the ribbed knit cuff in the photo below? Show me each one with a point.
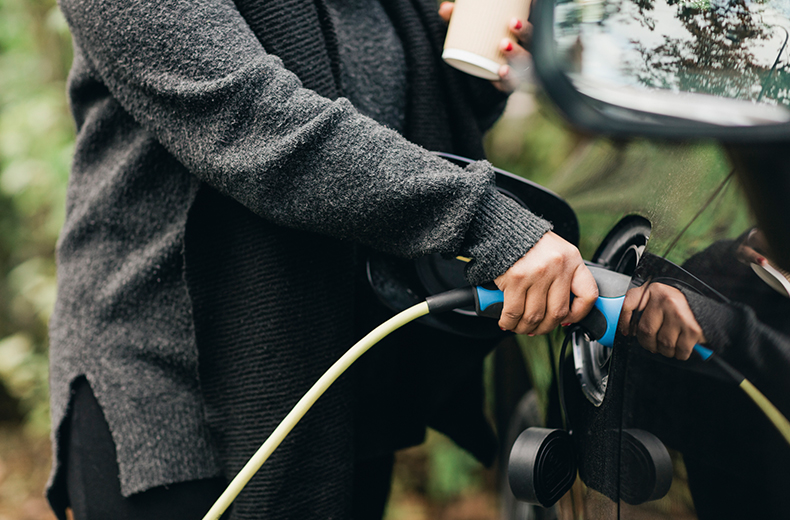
(501, 232)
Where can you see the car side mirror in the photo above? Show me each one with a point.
(667, 68)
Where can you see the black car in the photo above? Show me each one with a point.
(647, 435)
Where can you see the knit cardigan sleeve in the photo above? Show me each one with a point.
(195, 76)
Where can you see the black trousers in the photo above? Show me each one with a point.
(94, 490)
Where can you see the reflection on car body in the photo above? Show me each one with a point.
(728, 458)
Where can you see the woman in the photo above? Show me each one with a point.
(221, 195)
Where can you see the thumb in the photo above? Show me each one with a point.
(585, 292)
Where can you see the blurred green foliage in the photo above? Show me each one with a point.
(36, 142)
(452, 470)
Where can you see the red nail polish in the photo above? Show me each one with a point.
(519, 25)
(502, 328)
(531, 335)
(509, 47)
(761, 260)
(565, 324)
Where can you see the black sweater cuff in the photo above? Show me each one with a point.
(501, 232)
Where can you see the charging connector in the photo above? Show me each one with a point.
(449, 300)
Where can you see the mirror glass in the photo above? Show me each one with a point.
(722, 62)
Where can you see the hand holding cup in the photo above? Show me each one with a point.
(487, 39)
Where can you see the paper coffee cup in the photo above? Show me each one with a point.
(475, 31)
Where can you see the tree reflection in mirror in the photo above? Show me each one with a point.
(680, 58)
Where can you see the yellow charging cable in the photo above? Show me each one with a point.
(767, 407)
(294, 416)
(771, 412)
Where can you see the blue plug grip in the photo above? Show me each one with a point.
(705, 353)
(487, 300)
(610, 307)
(488, 297)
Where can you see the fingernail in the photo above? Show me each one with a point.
(518, 25)
(761, 260)
(531, 335)
(508, 47)
(502, 328)
(565, 324)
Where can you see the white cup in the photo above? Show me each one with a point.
(476, 29)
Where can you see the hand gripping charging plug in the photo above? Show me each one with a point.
(600, 324)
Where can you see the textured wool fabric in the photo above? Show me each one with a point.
(373, 64)
(262, 345)
(94, 490)
(216, 191)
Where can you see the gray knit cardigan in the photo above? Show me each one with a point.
(189, 132)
